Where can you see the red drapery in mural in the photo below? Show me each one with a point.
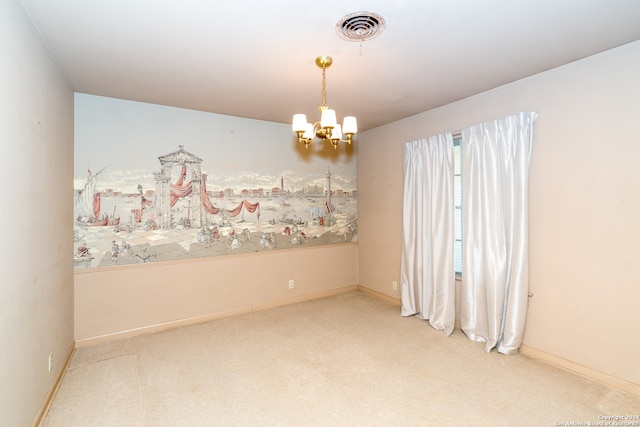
(251, 207)
(205, 198)
(179, 189)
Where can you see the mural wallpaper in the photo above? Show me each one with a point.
(155, 183)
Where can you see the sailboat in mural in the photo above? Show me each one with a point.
(88, 202)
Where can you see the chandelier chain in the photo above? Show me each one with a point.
(324, 87)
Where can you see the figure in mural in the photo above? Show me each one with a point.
(138, 214)
(299, 239)
(82, 257)
(150, 225)
(82, 251)
(235, 243)
(204, 236)
(115, 250)
(145, 256)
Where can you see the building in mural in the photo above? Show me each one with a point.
(167, 193)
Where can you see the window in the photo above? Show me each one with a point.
(457, 191)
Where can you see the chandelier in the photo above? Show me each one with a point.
(327, 129)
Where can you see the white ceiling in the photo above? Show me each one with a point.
(255, 58)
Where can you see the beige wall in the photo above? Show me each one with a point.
(36, 254)
(119, 301)
(584, 204)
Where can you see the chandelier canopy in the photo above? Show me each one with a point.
(327, 129)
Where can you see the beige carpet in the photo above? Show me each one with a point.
(346, 360)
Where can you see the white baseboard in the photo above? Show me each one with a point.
(585, 371)
(392, 300)
(52, 393)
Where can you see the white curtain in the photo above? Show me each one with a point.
(427, 276)
(495, 176)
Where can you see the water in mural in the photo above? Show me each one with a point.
(186, 215)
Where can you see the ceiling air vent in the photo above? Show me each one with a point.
(360, 26)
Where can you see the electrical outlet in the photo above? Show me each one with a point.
(50, 361)
(291, 284)
(394, 285)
